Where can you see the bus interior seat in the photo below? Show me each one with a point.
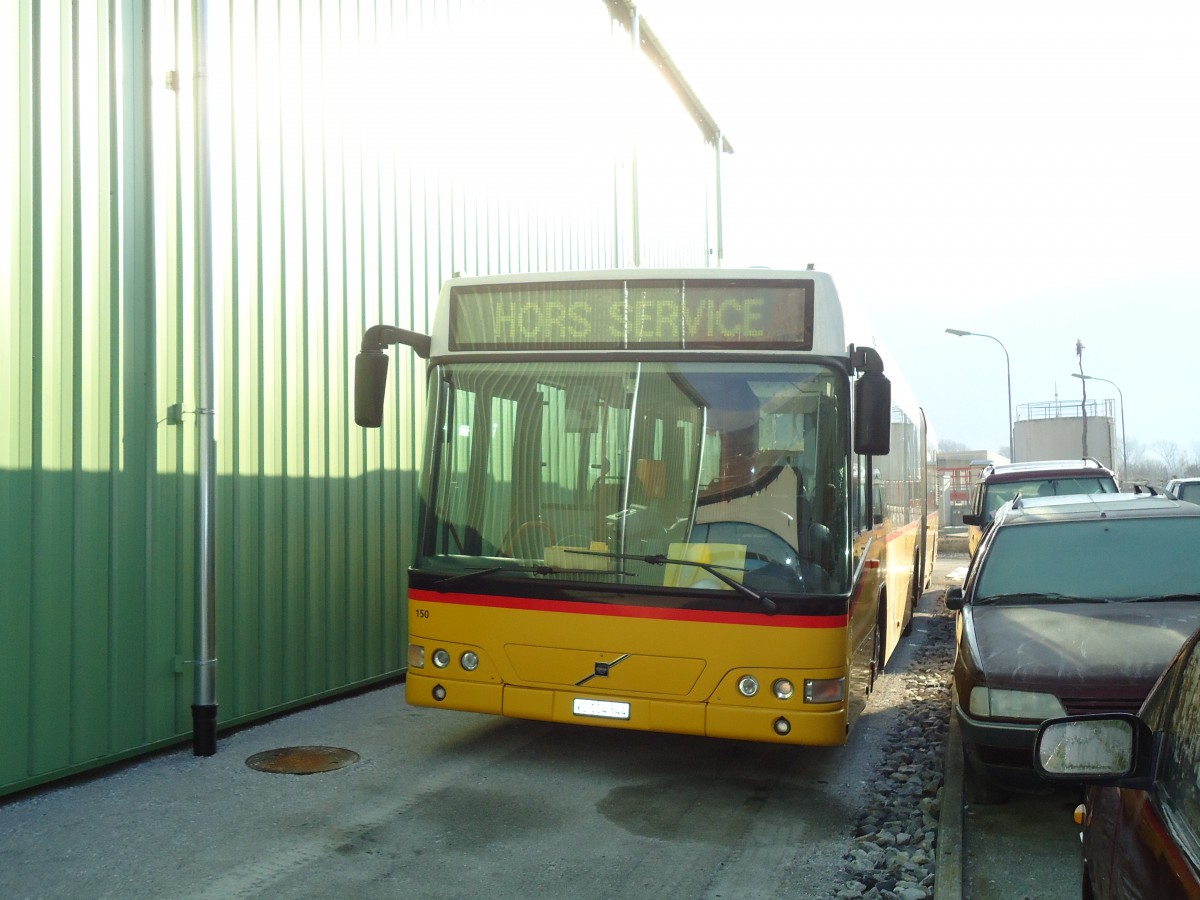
(651, 477)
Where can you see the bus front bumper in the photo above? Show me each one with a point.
(824, 728)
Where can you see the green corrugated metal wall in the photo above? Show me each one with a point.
(361, 152)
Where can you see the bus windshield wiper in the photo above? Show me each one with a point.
(1033, 597)
(450, 582)
(1161, 598)
(769, 606)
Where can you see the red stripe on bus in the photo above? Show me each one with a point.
(633, 612)
(902, 530)
(858, 585)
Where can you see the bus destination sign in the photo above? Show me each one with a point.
(641, 315)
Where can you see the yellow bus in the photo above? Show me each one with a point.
(659, 500)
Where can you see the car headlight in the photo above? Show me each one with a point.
(996, 703)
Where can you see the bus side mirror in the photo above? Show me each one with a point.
(371, 366)
(370, 385)
(873, 419)
(972, 519)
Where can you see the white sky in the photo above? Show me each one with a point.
(1030, 170)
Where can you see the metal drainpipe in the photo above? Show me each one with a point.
(636, 31)
(204, 707)
(720, 220)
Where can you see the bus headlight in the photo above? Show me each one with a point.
(784, 688)
(441, 658)
(748, 685)
(416, 656)
(470, 660)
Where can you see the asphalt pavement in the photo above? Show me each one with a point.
(97, 834)
(442, 805)
(1025, 848)
(949, 883)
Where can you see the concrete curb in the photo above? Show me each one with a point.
(948, 881)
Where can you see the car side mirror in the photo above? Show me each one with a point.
(972, 519)
(1109, 748)
(955, 598)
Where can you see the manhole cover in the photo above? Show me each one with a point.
(302, 760)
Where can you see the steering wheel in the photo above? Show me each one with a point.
(519, 532)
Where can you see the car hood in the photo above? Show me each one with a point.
(1093, 649)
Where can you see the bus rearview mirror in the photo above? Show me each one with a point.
(370, 384)
(873, 415)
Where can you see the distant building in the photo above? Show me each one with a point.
(1055, 430)
(959, 469)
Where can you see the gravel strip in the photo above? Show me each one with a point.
(894, 848)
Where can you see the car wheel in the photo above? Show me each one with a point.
(1088, 892)
(979, 789)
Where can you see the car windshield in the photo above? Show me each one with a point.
(1102, 558)
(1189, 491)
(999, 494)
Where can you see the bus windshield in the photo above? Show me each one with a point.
(576, 471)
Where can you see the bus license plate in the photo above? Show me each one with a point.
(603, 709)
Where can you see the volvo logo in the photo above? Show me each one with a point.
(601, 670)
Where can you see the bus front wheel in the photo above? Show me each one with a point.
(879, 651)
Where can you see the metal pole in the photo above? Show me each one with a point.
(1079, 348)
(204, 707)
(1012, 438)
(635, 21)
(1124, 450)
(1121, 396)
(720, 221)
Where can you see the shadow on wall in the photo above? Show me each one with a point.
(98, 605)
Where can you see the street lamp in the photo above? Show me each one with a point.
(1012, 439)
(1124, 458)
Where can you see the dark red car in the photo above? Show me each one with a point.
(1071, 605)
(1141, 818)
